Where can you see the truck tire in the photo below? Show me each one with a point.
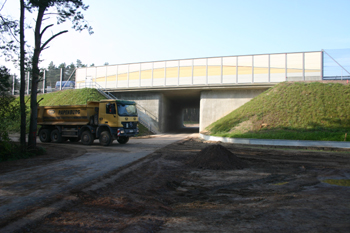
(56, 136)
(87, 138)
(123, 140)
(45, 135)
(106, 138)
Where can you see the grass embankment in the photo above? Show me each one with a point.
(70, 97)
(297, 111)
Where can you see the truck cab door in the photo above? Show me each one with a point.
(108, 114)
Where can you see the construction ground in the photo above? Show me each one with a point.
(200, 186)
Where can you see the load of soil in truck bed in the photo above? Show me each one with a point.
(197, 186)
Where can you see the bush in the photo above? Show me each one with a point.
(10, 150)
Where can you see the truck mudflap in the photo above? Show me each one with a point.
(122, 132)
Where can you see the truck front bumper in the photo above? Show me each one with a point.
(122, 132)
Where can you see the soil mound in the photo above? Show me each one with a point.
(216, 157)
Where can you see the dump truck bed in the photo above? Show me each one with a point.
(67, 115)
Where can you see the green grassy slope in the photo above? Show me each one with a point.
(302, 111)
(70, 97)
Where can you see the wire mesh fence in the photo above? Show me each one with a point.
(50, 81)
(336, 63)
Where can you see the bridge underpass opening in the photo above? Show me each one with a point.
(163, 110)
(190, 118)
(182, 110)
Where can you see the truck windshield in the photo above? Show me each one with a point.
(127, 110)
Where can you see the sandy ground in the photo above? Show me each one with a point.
(279, 190)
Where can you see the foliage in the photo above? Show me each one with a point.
(64, 10)
(13, 151)
(8, 110)
(5, 79)
(9, 31)
(9, 43)
(305, 111)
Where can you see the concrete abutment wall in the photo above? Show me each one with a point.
(215, 104)
(149, 107)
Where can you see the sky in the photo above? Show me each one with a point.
(128, 31)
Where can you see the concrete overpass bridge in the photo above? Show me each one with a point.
(216, 85)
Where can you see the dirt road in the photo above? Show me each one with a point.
(278, 190)
(26, 185)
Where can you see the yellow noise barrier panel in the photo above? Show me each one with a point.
(186, 71)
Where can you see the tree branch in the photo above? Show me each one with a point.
(51, 14)
(42, 32)
(44, 45)
(9, 28)
(3, 5)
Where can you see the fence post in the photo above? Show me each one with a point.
(236, 69)
(269, 68)
(286, 67)
(303, 58)
(61, 77)
(252, 68)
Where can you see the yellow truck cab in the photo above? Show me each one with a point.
(105, 120)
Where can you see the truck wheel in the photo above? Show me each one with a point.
(56, 136)
(123, 140)
(87, 138)
(45, 135)
(106, 138)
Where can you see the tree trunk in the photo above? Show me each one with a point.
(22, 87)
(35, 80)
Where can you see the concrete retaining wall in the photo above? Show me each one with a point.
(215, 104)
(277, 142)
(150, 107)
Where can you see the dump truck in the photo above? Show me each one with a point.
(105, 120)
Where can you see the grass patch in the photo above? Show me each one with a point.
(143, 131)
(340, 182)
(296, 111)
(70, 97)
(282, 183)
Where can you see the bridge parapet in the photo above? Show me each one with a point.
(228, 70)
